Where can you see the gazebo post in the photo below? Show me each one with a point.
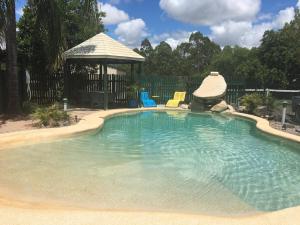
(67, 74)
(100, 76)
(139, 71)
(105, 87)
(132, 72)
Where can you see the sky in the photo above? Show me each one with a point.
(226, 22)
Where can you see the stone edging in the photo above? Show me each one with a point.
(264, 126)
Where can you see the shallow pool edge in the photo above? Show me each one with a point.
(95, 121)
(12, 212)
(89, 123)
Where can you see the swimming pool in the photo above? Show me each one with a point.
(158, 161)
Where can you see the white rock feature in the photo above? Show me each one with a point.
(213, 87)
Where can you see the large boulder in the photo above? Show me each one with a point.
(212, 87)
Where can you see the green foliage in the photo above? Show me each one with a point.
(280, 53)
(201, 50)
(163, 59)
(51, 116)
(228, 62)
(29, 107)
(274, 64)
(187, 59)
(251, 102)
(269, 101)
(133, 90)
(48, 28)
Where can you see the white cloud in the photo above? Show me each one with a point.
(113, 14)
(208, 12)
(246, 33)
(264, 17)
(173, 39)
(230, 32)
(283, 17)
(20, 11)
(298, 4)
(131, 32)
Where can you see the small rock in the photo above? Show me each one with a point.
(220, 107)
(261, 111)
(184, 106)
(242, 108)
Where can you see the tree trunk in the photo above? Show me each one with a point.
(13, 106)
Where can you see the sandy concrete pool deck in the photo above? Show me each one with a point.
(16, 212)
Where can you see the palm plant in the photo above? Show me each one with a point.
(50, 15)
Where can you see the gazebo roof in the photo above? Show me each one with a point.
(101, 46)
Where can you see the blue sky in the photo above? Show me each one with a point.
(227, 22)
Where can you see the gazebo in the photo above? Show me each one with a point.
(101, 50)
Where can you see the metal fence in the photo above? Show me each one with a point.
(163, 88)
(47, 89)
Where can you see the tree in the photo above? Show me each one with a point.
(227, 62)
(43, 41)
(147, 51)
(8, 28)
(182, 60)
(162, 60)
(188, 59)
(48, 19)
(201, 51)
(280, 52)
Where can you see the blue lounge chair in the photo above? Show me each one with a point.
(146, 101)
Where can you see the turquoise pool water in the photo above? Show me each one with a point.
(175, 161)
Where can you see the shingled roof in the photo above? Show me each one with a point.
(101, 46)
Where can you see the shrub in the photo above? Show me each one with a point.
(132, 91)
(269, 101)
(251, 102)
(29, 107)
(51, 116)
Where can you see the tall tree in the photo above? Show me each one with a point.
(49, 19)
(280, 52)
(202, 49)
(147, 51)
(183, 61)
(8, 25)
(163, 62)
(43, 41)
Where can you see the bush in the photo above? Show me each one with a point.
(51, 116)
(29, 107)
(269, 101)
(251, 102)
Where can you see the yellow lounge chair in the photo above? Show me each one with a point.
(178, 97)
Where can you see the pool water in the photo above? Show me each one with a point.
(160, 161)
